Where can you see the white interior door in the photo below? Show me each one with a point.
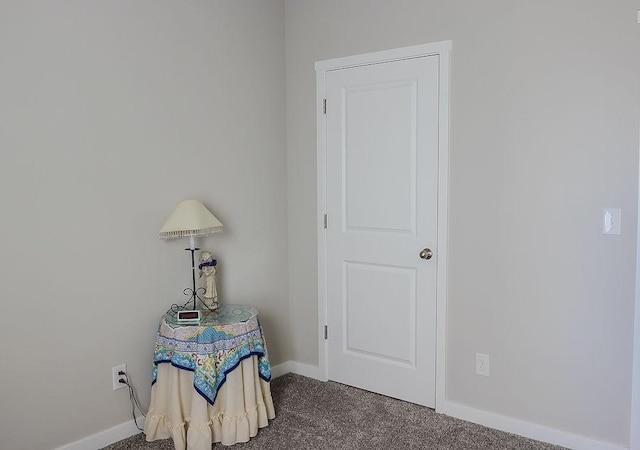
(382, 202)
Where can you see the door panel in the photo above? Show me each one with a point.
(378, 284)
(382, 179)
(390, 176)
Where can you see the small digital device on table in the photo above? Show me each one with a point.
(188, 316)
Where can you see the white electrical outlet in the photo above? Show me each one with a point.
(611, 219)
(115, 375)
(482, 364)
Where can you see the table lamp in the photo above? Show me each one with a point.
(190, 219)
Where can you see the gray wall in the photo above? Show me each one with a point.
(110, 113)
(544, 135)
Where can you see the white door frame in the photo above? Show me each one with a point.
(634, 438)
(443, 50)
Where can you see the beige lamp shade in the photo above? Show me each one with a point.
(190, 218)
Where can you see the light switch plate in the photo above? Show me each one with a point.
(611, 221)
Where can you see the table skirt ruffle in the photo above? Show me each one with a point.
(178, 411)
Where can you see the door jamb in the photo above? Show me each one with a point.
(443, 50)
(634, 437)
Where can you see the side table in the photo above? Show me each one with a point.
(210, 380)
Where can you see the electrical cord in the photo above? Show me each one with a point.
(135, 404)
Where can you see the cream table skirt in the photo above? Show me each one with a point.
(178, 411)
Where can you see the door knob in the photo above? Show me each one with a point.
(426, 253)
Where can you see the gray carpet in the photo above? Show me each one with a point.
(313, 415)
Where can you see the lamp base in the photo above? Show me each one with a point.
(194, 294)
(204, 307)
(198, 302)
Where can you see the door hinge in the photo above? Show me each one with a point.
(326, 332)
(325, 221)
(324, 106)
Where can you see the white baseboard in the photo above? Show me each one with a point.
(106, 437)
(522, 428)
(305, 370)
(280, 369)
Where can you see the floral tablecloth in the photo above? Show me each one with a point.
(212, 348)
